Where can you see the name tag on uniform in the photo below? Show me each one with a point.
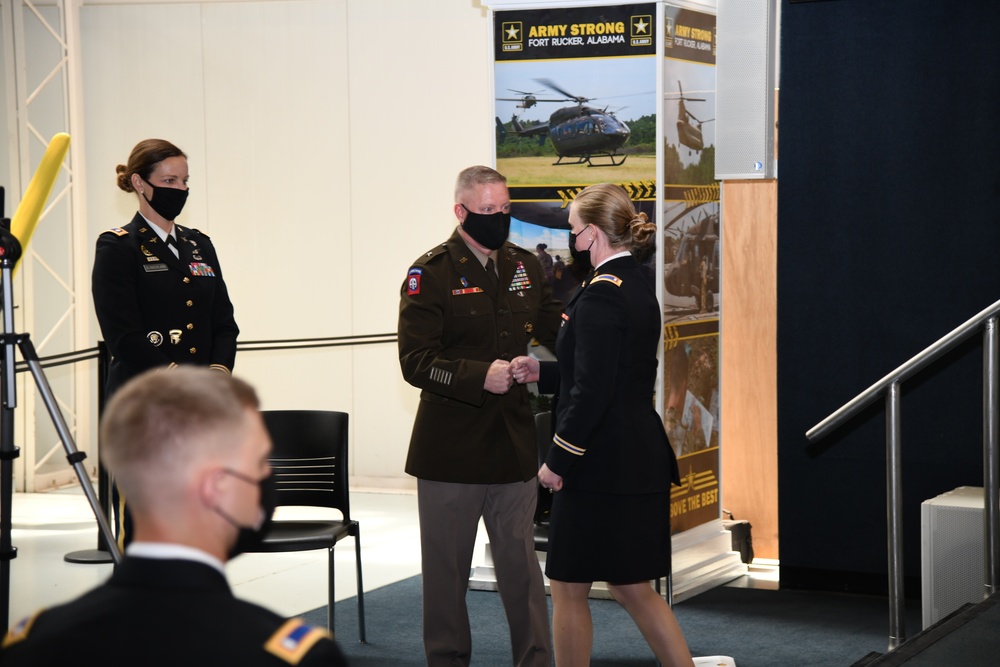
(152, 268)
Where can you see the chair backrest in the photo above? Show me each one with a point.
(309, 458)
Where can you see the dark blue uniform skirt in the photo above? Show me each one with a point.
(621, 539)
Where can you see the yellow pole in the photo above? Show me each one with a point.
(25, 219)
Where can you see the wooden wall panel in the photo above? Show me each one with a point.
(749, 358)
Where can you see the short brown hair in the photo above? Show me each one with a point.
(143, 160)
(158, 422)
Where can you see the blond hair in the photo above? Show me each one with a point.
(162, 422)
(608, 207)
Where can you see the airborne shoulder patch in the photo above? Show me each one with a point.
(607, 278)
(293, 640)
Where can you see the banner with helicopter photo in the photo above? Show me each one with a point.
(577, 104)
(691, 261)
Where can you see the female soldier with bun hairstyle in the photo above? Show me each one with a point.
(610, 463)
(157, 286)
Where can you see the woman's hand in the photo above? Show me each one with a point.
(524, 369)
(549, 479)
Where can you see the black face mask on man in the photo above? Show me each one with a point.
(488, 230)
(250, 538)
(167, 202)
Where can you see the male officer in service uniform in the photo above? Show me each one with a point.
(190, 450)
(468, 307)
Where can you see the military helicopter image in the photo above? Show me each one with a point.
(694, 269)
(527, 100)
(578, 132)
(687, 133)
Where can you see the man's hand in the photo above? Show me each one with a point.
(498, 377)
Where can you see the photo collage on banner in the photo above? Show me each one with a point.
(576, 104)
(691, 259)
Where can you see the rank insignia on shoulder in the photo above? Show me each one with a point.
(118, 231)
(607, 278)
(293, 640)
(19, 631)
(413, 281)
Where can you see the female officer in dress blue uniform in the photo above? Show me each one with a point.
(611, 464)
(157, 286)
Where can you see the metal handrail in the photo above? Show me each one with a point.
(890, 386)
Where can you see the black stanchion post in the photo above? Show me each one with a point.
(100, 554)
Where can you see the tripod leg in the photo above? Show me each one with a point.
(74, 456)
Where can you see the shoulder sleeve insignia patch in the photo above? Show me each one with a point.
(293, 640)
(607, 278)
(413, 281)
(19, 631)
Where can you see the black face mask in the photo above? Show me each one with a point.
(168, 202)
(250, 537)
(489, 231)
(581, 258)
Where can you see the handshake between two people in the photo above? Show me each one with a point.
(502, 374)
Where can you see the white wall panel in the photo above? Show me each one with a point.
(323, 139)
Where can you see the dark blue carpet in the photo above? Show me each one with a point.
(757, 628)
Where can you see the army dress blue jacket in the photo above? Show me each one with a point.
(155, 309)
(608, 435)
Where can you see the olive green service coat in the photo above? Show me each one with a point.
(452, 326)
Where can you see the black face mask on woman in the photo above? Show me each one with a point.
(581, 258)
(250, 537)
(489, 231)
(167, 202)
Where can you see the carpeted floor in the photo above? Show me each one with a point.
(758, 628)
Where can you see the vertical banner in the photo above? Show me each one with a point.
(691, 258)
(576, 104)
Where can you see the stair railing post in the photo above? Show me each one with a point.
(991, 460)
(894, 515)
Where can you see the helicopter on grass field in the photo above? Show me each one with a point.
(687, 133)
(577, 132)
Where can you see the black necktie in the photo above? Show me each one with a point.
(491, 276)
(172, 243)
